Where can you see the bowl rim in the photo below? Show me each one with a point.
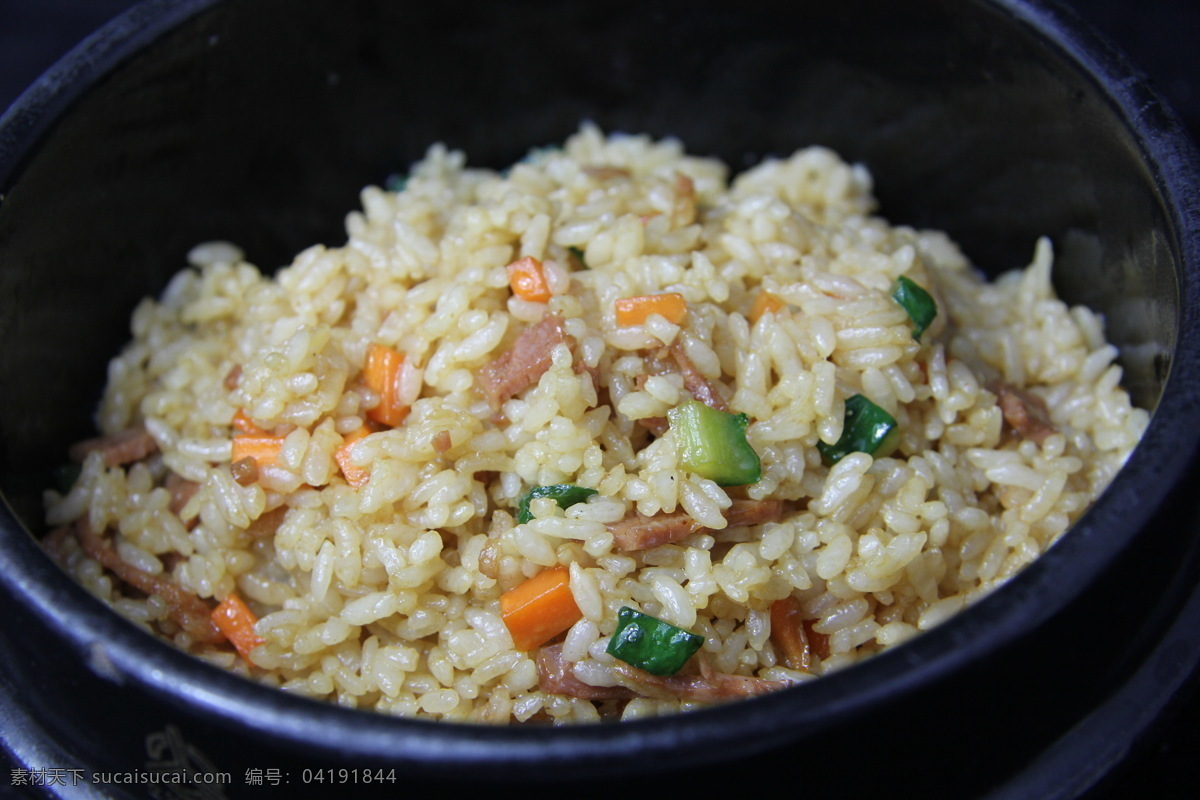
(1164, 456)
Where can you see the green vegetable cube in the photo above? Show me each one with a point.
(867, 429)
(565, 494)
(917, 302)
(712, 443)
(648, 643)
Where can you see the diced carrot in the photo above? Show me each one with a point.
(263, 449)
(540, 608)
(636, 310)
(355, 475)
(381, 374)
(243, 423)
(528, 280)
(236, 622)
(788, 634)
(762, 304)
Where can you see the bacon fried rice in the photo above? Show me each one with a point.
(602, 436)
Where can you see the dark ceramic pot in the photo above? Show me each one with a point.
(259, 121)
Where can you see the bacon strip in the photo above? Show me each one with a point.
(605, 173)
(788, 634)
(268, 523)
(245, 471)
(656, 425)
(555, 676)
(707, 687)
(683, 210)
(186, 609)
(182, 490)
(694, 381)
(55, 544)
(793, 636)
(817, 642)
(638, 532)
(127, 446)
(1025, 412)
(524, 363)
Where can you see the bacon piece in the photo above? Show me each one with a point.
(489, 557)
(683, 210)
(593, 372)
(1025, 412)
(789, 635)
(794, 637)
(656, 425)
(524, 363)
(706, 687)
(245, 471)
(655, 365)
(638, 532)
(694, 381)
(817, 642)
(55, 544)
(605, 173)
(182, 490)
(556, 677)
(186, 609)
(233, 377)
(267, 523)
(127, 446)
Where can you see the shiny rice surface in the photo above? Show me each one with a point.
(386, 595)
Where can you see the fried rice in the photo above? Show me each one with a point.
(424, 472)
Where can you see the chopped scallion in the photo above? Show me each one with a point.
(65, 476)
(867, 429)
(565, 494)
(650, 644)
(396, 183)
(917, 302)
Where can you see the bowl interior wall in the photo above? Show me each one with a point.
(259, 122)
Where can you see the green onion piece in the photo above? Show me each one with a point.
(565, 494)
(650, 644)
(867, 429)
(713, 444)
(65, 475)
(578, 253)
(917, 302)
(396, 183)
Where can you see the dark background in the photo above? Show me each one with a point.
(1160, 37)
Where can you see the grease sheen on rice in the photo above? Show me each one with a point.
(385, 595)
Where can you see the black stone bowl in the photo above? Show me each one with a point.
(258, 122)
